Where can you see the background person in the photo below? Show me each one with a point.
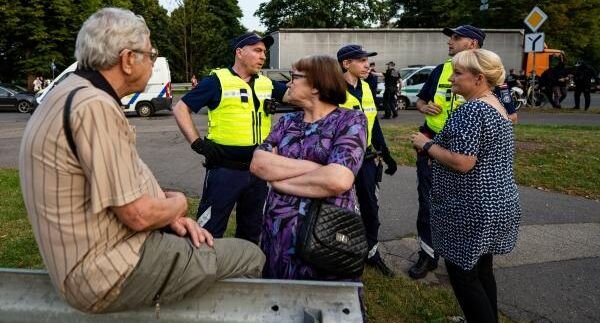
(99, 217)
(391, 78)
(475, 210)
(237, 124)
(437, 101)
(583, 80)
(313, 153)
(354, 61)
(559, 86)
(373, 78)
(194, 81)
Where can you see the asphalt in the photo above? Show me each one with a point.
(551, 276)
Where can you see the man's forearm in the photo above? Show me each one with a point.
(272, 167)
(149, 213)
(183, 117)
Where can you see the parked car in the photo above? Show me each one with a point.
(16, 98)
(413, 77)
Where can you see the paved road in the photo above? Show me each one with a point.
(550, 277)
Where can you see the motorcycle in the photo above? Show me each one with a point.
(518, 96)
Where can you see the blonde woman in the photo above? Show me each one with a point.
(475, 210)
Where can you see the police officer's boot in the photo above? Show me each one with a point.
(424, 265)
(377, 262)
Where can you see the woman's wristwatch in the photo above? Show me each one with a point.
(427, 145)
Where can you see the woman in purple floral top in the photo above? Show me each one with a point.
(310, 154)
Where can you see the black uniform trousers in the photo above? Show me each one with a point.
(367, 191)
(389, 102)
(424, 178)
(585, 89)
(224, 188)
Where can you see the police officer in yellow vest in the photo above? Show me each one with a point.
(437, 102)
(237, 123)
(355, 64)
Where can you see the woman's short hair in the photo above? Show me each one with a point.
(105, 34)
(482, 61)
(324, 74)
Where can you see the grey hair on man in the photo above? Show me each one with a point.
(105, 34)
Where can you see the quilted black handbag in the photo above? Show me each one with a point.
(333, 240)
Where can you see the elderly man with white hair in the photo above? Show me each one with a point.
(110, 237)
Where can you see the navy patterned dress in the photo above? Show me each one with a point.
(478, 212)
(339, 137)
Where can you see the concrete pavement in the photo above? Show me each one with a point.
(552, 275)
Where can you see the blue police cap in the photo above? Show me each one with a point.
(467, 31)
(353, 51)
(250, 39)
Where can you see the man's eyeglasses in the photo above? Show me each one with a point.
(153, 53)
(295, 76)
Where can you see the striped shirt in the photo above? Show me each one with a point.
(87, 251)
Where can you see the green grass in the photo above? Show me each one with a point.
(558, 158)
(401, 299)
(17, 246)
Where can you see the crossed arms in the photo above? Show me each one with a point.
(301, 177)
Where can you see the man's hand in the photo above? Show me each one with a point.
(185, 226)
(180, 197)
(392, 166)
(210, 150)
(430, 109)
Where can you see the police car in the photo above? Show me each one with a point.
(157, 95)
(413, 77)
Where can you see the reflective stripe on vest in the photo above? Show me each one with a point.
(236, 121)
(367, 106)
(444, 97)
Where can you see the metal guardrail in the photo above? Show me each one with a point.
(28, 296)
(181, 86)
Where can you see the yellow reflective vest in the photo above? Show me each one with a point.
(444, 97)
(367, 106)
(236, 121)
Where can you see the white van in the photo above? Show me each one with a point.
(157, 95)
(413, 78)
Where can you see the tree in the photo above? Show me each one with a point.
(201, 30)
(158, 22)
(35, 33)
(277, 14)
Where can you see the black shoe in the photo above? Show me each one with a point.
(378, 264)
(395, 116)
(576, 108)
(423, 265)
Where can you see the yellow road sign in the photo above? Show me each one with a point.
(535, 18)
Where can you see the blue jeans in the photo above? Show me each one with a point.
(224, 188)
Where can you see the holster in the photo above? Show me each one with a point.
(379, 172)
